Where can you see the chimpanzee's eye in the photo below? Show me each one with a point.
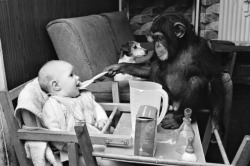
(135, 47)
(158, 38)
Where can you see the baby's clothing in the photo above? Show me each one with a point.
(61, 113)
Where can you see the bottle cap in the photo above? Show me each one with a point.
(190, 148)
(187, 113)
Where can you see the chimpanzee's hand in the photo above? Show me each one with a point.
(169, 122)
(113, 69)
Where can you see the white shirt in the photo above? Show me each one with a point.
(62, 117)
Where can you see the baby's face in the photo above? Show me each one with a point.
(67, 80)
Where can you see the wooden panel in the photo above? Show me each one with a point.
(123, 107)
(73, 154)
(85, 145)
(26, 45)
(151, 161)
(8, 111)
(5, 136)
(59, 136)
(3, 83)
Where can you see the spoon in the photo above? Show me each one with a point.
(84, 84)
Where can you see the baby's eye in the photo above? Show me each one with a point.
(71, 75)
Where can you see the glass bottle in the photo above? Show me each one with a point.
(185, 131)
(189, 154)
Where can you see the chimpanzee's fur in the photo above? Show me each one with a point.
(186, 68)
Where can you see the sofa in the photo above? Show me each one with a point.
(90, 43)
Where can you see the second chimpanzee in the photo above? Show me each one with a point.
(186, 68)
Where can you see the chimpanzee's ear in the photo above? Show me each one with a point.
(179, 29)
(149, 36)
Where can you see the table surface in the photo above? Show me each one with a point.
(165, 141)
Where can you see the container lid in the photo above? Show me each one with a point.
(146, 111)
(187, 113)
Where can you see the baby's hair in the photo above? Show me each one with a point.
(46, 74)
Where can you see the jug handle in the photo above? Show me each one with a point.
(164, 109)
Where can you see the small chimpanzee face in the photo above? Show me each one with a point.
(160, 42)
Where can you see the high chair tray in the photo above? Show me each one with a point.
(165, 141)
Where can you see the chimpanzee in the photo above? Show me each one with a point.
(186, 68)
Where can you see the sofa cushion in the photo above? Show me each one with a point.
(120, 26)
(86, 42)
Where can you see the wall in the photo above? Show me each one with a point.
(209, 18)
(25, 43)
(143, 13)
(235, 20)
(141, 16)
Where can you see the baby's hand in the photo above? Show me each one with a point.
(100, 124)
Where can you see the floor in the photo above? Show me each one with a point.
(239, 124)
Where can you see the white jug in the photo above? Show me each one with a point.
(147, 93)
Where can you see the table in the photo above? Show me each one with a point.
(165, 141)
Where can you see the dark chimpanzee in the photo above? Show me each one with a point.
(186, 68)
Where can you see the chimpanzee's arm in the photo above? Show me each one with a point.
(138, 70)
(217, 102)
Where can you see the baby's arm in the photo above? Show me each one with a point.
(50, 120)
(101, 116)
(100, 112)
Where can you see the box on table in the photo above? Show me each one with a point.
(145, 131)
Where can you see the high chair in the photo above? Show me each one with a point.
(19, 136)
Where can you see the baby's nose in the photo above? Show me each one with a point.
(77, 77)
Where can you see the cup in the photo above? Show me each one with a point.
(147, 93)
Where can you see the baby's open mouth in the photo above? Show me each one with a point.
(78, 84)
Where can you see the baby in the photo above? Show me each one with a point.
(66, 105)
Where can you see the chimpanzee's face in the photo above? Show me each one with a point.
(168, 32)
(160, 43)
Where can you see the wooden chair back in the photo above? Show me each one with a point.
(6, 98)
